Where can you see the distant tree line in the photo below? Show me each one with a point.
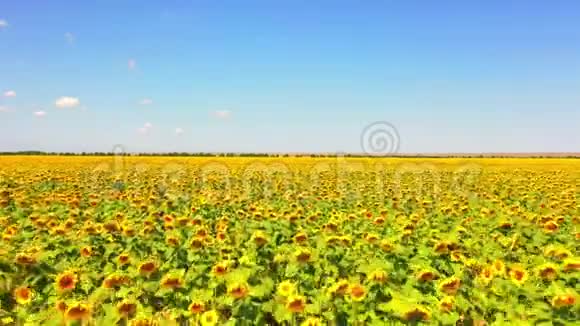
(313, 155)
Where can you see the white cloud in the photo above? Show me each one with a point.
(10, 93)
(179, 131)
(222, 114)
(67, 102)
(40, 114)
(132, 64)
(146, 128)
(69, 37)
(4, 109)
(146, 101)
(3, 23)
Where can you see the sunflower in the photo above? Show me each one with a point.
(86, 251)
(143, 322)
(564, 300)
(196, 307)
(417, 314)
(357, 292)
(114, 280)
(378, 276)
(339, 288)
(78, 311)
(296, 304)
(548, 272)
(571, 264)
(441, 247)
(426, 276)
(66, 282)
(286, 288)
(147, 268)
(303, 255)
(220, 269)
(486, 275)
(345, 240)
(498, 268)
(209, 318)
(386, 245)
(25, 259)
(61, 306)
(172, 241)
(171, 282)
(446, 304)
(196, 243)
(123, 259)
(127, 308)
(371, 237)
(23, 295)
(238, 290)
(450, 286)
(550, 227)
(311, 321)
(518, 275)
(260, 238)
(300, 237)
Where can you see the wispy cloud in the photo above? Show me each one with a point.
(4, 109)
(10, 93)
(67, 102)
(132, 64)
(69, 37)
(39, 114)
(146, 101)
(146, 128)
(3, 23)
(222, 114)
(179, 131)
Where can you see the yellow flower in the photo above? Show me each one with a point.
(518, 275)
(447, 303)
(171, 282)
(417, 314)
(127, 308)
(66, 282)
(571, 264)
(312, 321)
(220, 269)
(303, 255)
(450, 286)
(296, 304)
(196, 307)
(260, 238)
(563, 301)
(339, 288)
(498, 268)
(78, 311)
(486, 275)
(548, 272)
(23, 295)
(210, 318)
(426, 276)
(378, 276)
(238, 290)
(357, 292)
(286, 289)
(147, 268)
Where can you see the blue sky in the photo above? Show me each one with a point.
(289, 76)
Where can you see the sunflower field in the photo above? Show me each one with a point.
(288, 241)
